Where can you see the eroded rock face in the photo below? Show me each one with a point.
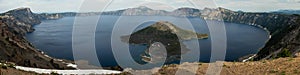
(46, 16)
(20, 20)
(145, 11)
(15, 48)
(23, 15)
(284, 30)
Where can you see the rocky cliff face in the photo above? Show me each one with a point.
(189, 12)
(145, 11)
(46, 16)
(23, 18)
(15, 48)
(284, 30)
(138, 11)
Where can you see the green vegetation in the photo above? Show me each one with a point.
(284, 53)
(264, 61)
(273, 71)
(296, 71)
(4, 67)
(283, 73)
(226, 66)
(290, 59)
(54, 73)
(7, 65)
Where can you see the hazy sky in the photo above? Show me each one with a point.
(74, 5)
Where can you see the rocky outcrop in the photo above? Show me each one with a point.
(142, 10)
(189, 12)
(139, 11)
(284, 30)
(15, 48)
(46, 16)
(23, 18)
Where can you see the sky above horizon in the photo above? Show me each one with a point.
(40, 6)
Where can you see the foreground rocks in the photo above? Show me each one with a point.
(281, 66)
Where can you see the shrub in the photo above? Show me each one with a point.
(54, 73)
(273, 71)
(283, 73)
(4, 67)
(263, 61)
(285, 53)
(296, 71)
(11, 66)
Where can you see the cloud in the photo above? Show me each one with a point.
(41, 5)
(74, 5)
(259, 5)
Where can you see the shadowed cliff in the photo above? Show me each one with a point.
(284, 30)
(15, 48)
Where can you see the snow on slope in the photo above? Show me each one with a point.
(68, 72)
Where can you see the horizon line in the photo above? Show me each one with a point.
(132, 7)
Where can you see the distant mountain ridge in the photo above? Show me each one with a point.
(287, 12)
(140, 11)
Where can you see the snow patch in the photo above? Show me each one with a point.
(72, 65)
(68, 72)
(245, 60)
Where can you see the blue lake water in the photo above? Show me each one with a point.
(54, 37)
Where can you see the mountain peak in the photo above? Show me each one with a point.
(164, 26)
(143, 7)
(187, 8)
(25, 15)
(22, 9)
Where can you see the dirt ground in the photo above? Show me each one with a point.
(280, 66)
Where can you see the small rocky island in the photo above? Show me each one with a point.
(167, 34)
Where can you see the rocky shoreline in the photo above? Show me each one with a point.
(283, 29)
(14, 46)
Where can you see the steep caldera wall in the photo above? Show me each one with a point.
(284, 30)
(15, 48)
